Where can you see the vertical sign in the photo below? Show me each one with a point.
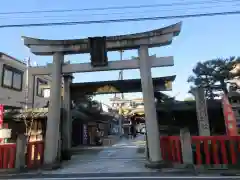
(1, 118)
(85, 134)
(1, 115)
(202, 114)
(229, 117)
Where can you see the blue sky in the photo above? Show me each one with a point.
(201, 38)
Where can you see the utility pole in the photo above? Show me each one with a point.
(26, 83)
(121, 72)
(122, 97)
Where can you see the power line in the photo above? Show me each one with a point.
(120, 7)
(117, 13)
(121, 20)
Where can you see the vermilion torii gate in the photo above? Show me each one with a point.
(59, 48)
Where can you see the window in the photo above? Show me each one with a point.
(12, 78)
(40, 89)
(17, 81)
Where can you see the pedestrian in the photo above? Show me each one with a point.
(98, 140)
(133, 132)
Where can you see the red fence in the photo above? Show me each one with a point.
(35, 152)
(171, 149)
(34, 158)
(7, 156)
(206, 149)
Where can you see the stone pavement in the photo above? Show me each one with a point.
(121, 157)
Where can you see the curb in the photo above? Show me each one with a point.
(25, 170)
(218, 171)
(10, 172)
(157, 165)
(229, 174)
(178, 171)
(233, 173)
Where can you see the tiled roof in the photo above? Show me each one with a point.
(27, 114)
(43, 113)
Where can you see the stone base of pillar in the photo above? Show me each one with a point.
(158, 165)
(66, 155)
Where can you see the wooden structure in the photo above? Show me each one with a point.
(173, 115)
(87, 116)
(183, 114)
(31, 122)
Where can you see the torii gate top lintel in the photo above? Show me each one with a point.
(157, 37)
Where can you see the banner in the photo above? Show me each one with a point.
(85, 134)
(1, 115)
(229, 117)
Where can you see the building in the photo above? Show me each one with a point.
(234, 92)
(13, 89)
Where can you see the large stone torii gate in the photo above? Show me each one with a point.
(59, 48)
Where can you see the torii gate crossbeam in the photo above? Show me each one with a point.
(112, 65)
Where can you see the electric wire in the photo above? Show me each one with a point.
(106, 21)
(121, 7)
(116, 13)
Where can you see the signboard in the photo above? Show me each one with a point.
(107, 89)
(202, 114)
(229, 117)
(5, 133)
(1, 115)
(85, 134)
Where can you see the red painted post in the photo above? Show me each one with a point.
(1, 118)
(7, 156)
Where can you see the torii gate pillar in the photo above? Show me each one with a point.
(67, 118)
(153, 135)
(53, 124)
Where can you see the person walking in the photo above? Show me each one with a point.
(133, 131)
(98, 140)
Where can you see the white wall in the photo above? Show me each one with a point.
(15, 98)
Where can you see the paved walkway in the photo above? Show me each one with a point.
(121, 157)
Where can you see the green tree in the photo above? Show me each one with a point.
(213, 74)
